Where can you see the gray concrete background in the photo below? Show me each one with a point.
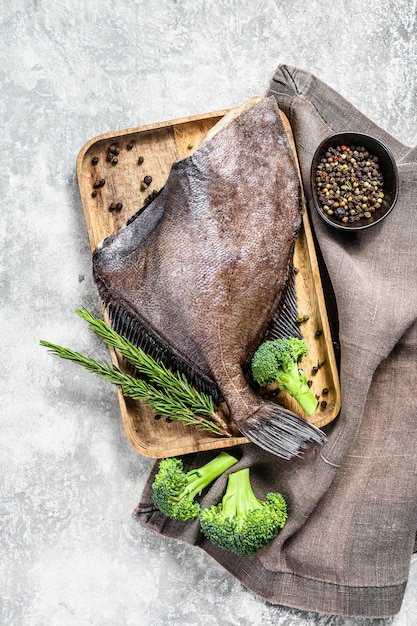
(70, 552)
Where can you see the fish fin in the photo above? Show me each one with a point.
(284, 321)
(142, 336)
(280, 431)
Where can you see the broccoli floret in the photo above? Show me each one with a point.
(173, 490)
(277, 361)
(242, 523)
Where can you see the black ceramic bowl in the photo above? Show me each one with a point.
(387, 167)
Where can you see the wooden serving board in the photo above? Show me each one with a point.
(160, 145)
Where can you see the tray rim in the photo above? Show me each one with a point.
(143, 128)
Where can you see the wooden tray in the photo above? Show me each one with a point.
(160, 145)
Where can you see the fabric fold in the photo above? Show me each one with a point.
(352, 524)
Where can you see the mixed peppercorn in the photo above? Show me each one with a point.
(349, 183)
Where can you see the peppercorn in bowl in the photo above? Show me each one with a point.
(354, 181)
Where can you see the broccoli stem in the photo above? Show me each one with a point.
(199, 478)
(294, 382)
(239, 497)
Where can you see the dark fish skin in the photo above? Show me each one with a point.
(202, 269)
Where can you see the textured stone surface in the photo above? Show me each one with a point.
(70, 552)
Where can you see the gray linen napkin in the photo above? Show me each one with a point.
(347, 545)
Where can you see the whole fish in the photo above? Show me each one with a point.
(195, 278)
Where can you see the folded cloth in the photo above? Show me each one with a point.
(352, 523)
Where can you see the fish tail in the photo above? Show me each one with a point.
(280, 431)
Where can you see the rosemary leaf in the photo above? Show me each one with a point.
(156, 371)
(161, 400)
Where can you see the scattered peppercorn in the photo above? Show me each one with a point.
(130, 145)
(116, 207)
(140, 160)
(349, 183)
(93, 193)
(318, 333)
(112, 152)
(309, 383)
(99, 183)
(95, 160)
(323, 404)
(325, 391)
(151, 197)
(147, 180)
(316, 368)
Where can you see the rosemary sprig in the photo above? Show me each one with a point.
(156, 372)
(168, 393)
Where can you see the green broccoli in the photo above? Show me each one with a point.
(241, 523)
(173, 490)
(277, 361)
